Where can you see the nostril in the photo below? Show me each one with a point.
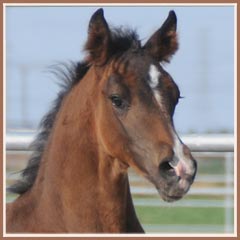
(165, 166)
(166, 169)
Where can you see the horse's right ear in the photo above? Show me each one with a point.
(98, 38)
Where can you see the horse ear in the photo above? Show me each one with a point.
(163, 43)
(98, 38)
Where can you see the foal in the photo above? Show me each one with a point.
(115, 112)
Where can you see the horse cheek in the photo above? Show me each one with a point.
(111, 134)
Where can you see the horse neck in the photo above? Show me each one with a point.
(78, 177)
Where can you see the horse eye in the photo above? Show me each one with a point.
(118, 102)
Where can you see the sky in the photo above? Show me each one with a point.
(203, 67)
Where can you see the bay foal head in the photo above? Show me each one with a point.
(135, 103)
(116, 111)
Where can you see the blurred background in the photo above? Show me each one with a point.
(203, 68)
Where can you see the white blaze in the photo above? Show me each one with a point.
(158, 97)
(183, 162)
(154, 80)
(154, 76)
(178, 147)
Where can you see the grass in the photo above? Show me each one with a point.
(181, 215)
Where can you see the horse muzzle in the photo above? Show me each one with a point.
(175, 176)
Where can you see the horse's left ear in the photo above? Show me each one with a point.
(98, 38)
(163, 43)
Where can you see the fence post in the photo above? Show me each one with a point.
(228, 198)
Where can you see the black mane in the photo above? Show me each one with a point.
(69, 75)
